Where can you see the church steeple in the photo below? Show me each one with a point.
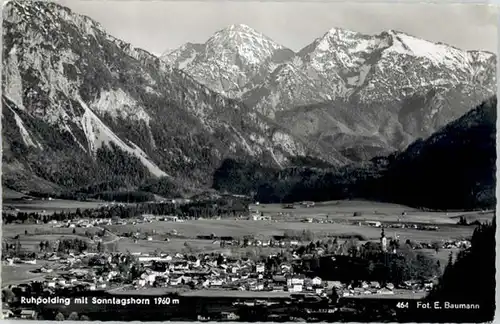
(383, 241)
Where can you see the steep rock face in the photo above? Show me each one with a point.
(77, 100)
(284, 88)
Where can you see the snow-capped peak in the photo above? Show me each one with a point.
(340, 33)
(228, 60)
(437, 53)
(251, 46)
(240, 27)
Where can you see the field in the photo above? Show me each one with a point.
(11, 194)
(265, 229)
(471, 217)
(174, 245)
(19, 273)
(284, 220)
(45, 232)
(344, 211)
(51, 206)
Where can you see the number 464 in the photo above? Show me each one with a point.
(402, 305)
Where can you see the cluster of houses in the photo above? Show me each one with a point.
(276, 241)
(422, 227)
(210, 271)
(366, 288)
(374, 287)
(83, 223)
(159, 218)
(379, 224)
(219, 272)
(306, 204)
(457, 244)
(450, 244)
(86, 223)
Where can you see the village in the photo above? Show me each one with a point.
(153, 253)
(68, 273)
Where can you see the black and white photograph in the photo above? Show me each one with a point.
(244, 161)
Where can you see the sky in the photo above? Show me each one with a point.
(157, 26)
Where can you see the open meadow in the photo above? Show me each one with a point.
(172, 246)
(340, 215)
(265, 229)
(51, 206)
(20, 273)
(344, 210)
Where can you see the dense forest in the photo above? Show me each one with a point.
(452, 169)
(471, 277)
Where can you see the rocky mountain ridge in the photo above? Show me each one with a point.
(83, 108)
(361, 95)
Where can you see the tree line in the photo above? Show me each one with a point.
(205, 209)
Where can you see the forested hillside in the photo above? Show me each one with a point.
(452, 169)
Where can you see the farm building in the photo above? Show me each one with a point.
(28, 314)
(260, 217)
(374, 223)
(307, 204)
(170, 218)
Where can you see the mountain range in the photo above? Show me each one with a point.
(360, 95)
(84, 112)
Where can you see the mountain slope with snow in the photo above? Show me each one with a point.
(229, 59)
(85, 108)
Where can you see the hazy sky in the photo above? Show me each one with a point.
(159, 25)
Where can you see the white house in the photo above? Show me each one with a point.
(316, 281)
(6, 313)
(260, 268)
(294, 281)
(295, 288)
(153, 258)
(374, 223)
(385, 291)
(319, 291)
(216, 282)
